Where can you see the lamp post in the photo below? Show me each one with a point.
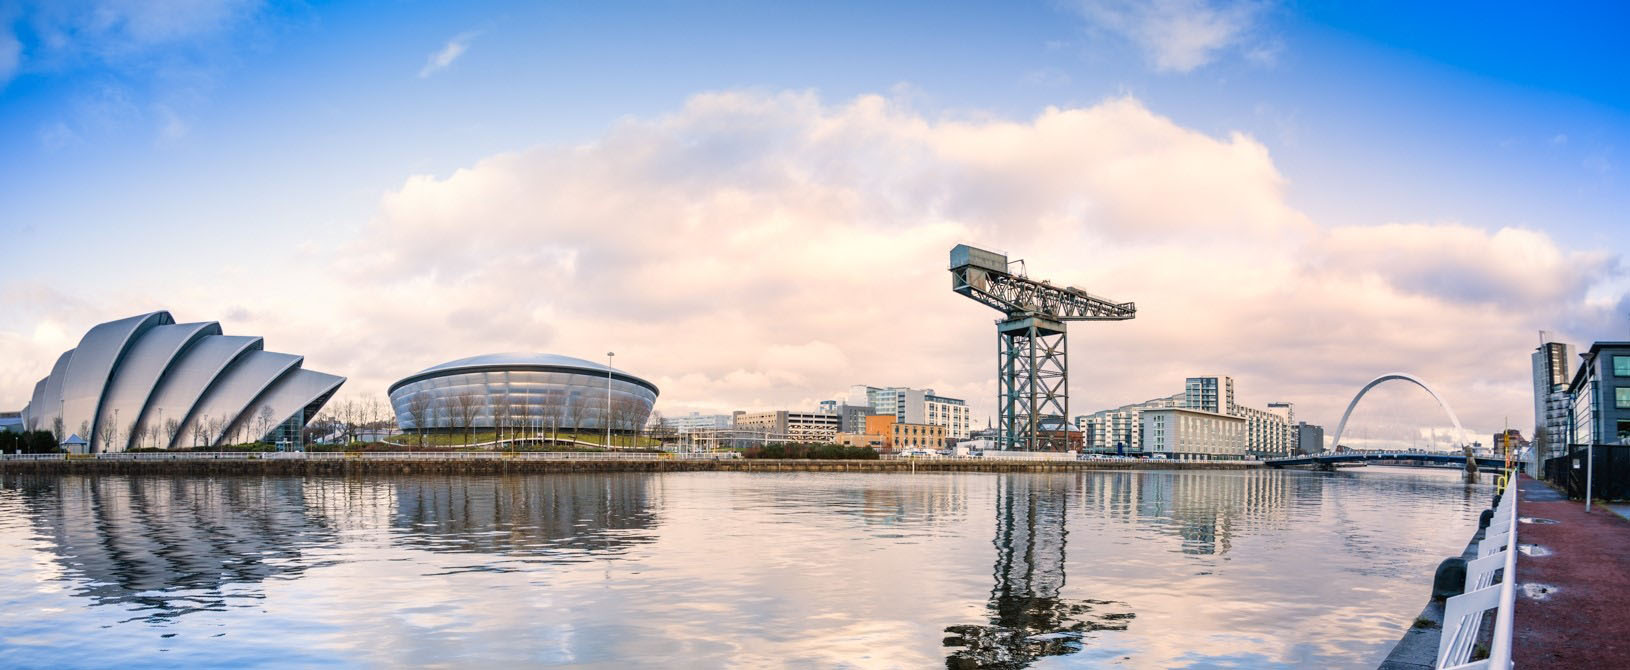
(607, 418)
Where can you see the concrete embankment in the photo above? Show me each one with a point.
(423, 465)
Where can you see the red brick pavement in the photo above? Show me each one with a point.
(1584, 620)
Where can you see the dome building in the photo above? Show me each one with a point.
(539, 391)
(147, 381)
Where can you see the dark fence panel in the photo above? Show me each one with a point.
(1611, 472)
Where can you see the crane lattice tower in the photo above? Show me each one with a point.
(1032, 371)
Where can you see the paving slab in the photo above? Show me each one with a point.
(1573, 600)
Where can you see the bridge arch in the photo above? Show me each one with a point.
(1460, 433)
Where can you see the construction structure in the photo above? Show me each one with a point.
(1032, 373)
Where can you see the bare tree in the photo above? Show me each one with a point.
(264, 419)
(501, 408)
(554, 410)
(466, 406)
(172, 430)
(419, 412)
(576, 409)
(57, 429)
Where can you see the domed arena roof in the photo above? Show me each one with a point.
(520, 361)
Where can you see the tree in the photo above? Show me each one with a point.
(466, 407)
(57, 429)
(266, 417)
(576, 409)
(419, 412)
(172, 430)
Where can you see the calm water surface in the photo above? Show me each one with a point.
(1257, 569)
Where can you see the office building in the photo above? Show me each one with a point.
(1183, 433)
(909, 405)
(1268, 433)
(1309, 438)
(788, 426)
(1120, 430)
(1599, 396)
(11, 421)
(697, 423)
(1552, 365)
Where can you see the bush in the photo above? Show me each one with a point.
(811, 451)
(31, 442)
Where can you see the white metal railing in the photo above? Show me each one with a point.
(378, 456)
(1463, 614)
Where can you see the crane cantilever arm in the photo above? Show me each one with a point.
(1011, 295)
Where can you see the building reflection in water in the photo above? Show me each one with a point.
(555, 516)
(167, 546)
(1028, 616)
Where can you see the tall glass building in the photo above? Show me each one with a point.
(522, 390)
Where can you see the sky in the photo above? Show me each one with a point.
(752, 204)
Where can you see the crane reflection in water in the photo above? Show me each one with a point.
(1028, 617)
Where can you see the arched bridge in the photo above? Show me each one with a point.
(1483, 462)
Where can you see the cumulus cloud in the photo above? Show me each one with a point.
(754, 250)
(443, 57)
(1181, 35)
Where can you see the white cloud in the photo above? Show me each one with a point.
(763, 250)
(1181, 35)
(11, 53)
(443, 57)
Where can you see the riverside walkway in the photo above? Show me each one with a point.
(1574, 607)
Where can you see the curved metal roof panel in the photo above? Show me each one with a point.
(139, 374)
(52, 397)
(295, 392)
(520, 361)
(92, 368)
(190, 375)
(234, 390)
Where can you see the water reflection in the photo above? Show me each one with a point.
(1251, 569)
(557, 516)
(1029, 618)
(168, 546)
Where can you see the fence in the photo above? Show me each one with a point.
(378, 456)
(1609, 471)
(1464, 615)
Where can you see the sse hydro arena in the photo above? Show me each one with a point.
(539, 391)
(147, 381)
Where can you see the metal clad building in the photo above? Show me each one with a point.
(525, 389)
(146, 381)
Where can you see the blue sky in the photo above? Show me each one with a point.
(170, 147)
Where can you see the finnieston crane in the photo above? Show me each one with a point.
(1032, 373)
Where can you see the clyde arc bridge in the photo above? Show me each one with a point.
(1032, 371)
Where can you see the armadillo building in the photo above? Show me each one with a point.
(537, 390)
(147, 381)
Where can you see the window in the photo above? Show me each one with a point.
(1621, 366)
(1621, 397)
(1624, 430)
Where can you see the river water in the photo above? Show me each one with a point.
(1247, 569)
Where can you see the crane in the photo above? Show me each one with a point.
(1032, 372)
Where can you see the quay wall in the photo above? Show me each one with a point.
(486, 466)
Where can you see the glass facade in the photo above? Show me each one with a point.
(572, 400)
(1621, 397)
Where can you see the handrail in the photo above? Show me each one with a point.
(1463, 614)
(379, 455)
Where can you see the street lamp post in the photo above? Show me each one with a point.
(607, 418)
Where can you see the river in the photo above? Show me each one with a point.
(1142, 569)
